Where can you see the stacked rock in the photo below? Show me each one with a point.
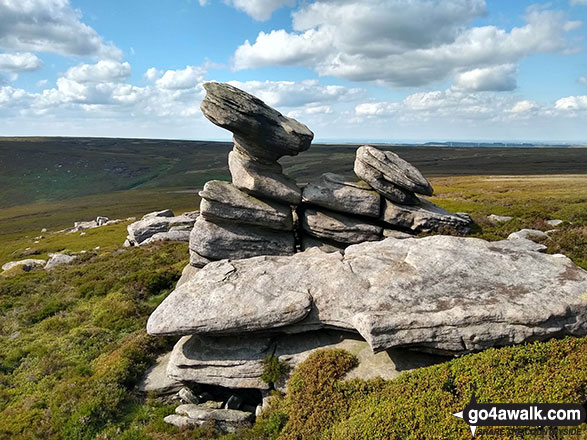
(252, 215)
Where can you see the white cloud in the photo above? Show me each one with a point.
(50, 26)
(103, 71)
(497, 78)
(298, 93)
(405, 43)
(583, 79)
(578, 2)
(42, 83)
(524, 106)
(570, 103)
(260, 10)
(187, 78)
(19, 62)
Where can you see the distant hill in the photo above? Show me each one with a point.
(47, 169)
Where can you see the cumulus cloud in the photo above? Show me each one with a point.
(19, 62)
(50, 26)
(186, 78)
(496, 78)
(571, 103)
(299, 93)
(260, 10)
(406, 43)
(103, 71)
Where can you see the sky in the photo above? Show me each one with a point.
(352, 70)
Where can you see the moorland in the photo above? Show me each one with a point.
(72, 340)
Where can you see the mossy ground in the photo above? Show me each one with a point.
(73, 344)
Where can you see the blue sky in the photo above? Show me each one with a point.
(356, 70)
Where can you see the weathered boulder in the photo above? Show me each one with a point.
(155, 380)
(393, 169)
(394, 233)
(424, 217)
(237, 361)
(224, 420)
(218, 241)
(27, 265)
(175, 233)
(379, 183)
(335, 192)
(187, 273)
(554, 222)
(266, 181)
(159, 222)
(101, 220)
(57, 259)
(339, 227)
(197, 260)
(438, 293)
(258, 129)
(223, 202)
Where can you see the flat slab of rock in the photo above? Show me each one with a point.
(424, 217)
(196, 312)
(27, 264)
(440, 293)
(237, 361)
(335, 192)
(376, 180)
(265, 181)
(339, 227)
(225, 420)
(260, 130)
(219, 241)
(394, 169)
(224, 202)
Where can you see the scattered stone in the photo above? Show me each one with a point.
(424, 217)
(155, 379)
(554, 222)
(262, 180)
(528, 234)
(496, 219)
(80, 226)
(216, 242)
(258, 129)
(187, 396)
(335, 192)
(44, 230)
(57, 259)
(339, 227)
(223, 202)
(101, 221)
(448, 294)
(81, 234)
(393, 169)
(27, 265)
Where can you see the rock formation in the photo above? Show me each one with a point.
(249, 294)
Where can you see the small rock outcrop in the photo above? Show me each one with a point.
(57, 259)
(160, 225)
